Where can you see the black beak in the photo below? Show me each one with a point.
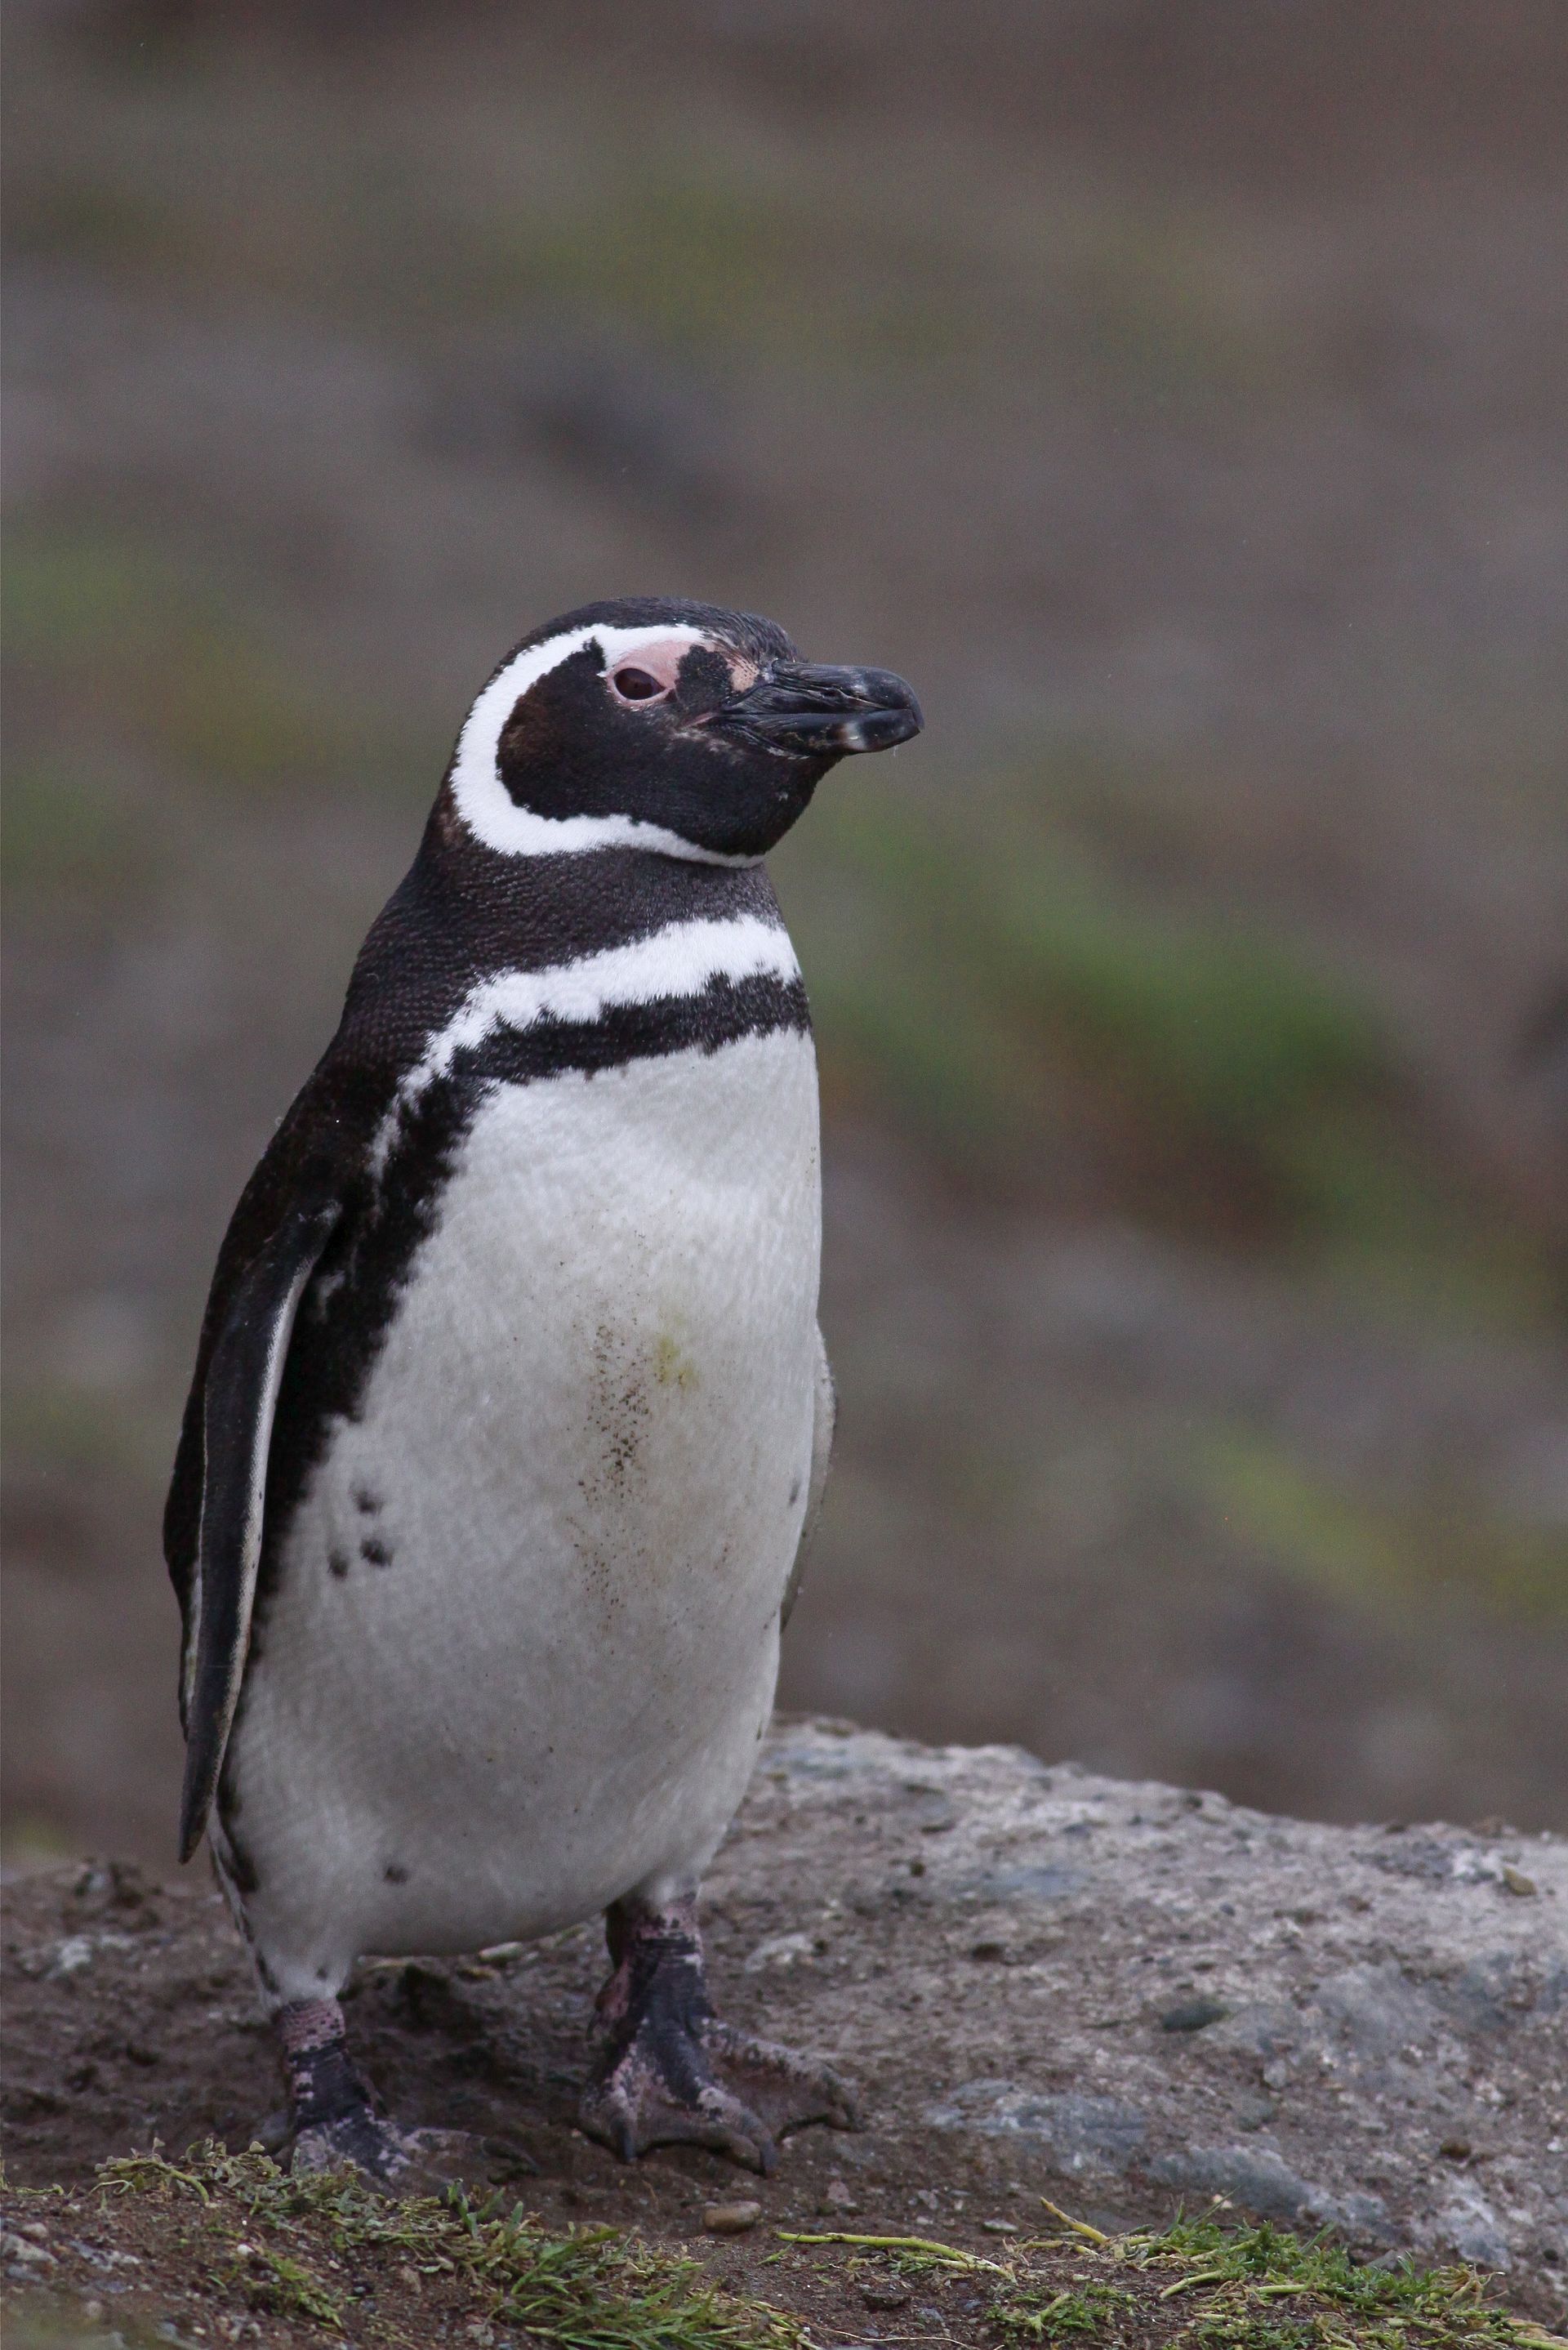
(819, 713)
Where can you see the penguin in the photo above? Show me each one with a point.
(510, 1416)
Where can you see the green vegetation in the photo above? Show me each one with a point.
(165, 662)
(568, 193)
(329, 2251)
(1166, 310)
(165, 672)
(723, 263)
(218, 2235)
(1370, 1552)
(999, 985)
(329, 2254)
(71, 823)
(1223, 1032)
(1197, 2283)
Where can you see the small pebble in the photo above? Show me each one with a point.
(18, 2248)
(885, 2294)
(1516, 1880)
(730, 2219)
(999, 2227)
(1193, 2015)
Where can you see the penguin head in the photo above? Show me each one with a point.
(658, 725)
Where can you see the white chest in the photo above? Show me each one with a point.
(526, 1631)
(606, 1344)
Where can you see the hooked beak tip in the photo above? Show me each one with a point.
(814, 710)
(882, 729)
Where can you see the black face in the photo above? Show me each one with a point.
(721, 740)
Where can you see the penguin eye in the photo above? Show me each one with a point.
(637, 685)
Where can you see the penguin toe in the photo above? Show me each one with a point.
(633, 2109)
(400, 2161)
(786, 2091)
(740, 2133)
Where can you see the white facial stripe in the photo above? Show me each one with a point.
(675, 961)
(487, 808)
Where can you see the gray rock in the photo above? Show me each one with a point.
(846, 1911)
(1039, 1881)
(1260, 2182)
(1076, 2136)
(1493, 1992)
(1467, 2224)
(1417, 1855)
(1363, 2218)
(1376, 2009)
(1269, 2031)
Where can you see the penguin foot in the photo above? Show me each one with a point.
(670, 2072)
(332, 2120)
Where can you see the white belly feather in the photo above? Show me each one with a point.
(584, 1452)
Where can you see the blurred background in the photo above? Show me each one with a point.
(1177, 396)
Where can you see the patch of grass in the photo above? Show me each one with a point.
(1243, 2278)
(292, 2289)
(75, 593)
(1200, 2282)
(721, 263)
(328, 2249)
(70, 1430)
(1086, 2313)
(1210, 1026)
(70, 824)
(1230, 1028)
(999, 988)
(1373, 1553)
(131, 657)
(94, 220)
(215, 2235)
(1383, 1201)
(1167, 311)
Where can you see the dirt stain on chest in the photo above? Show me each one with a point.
(619, 1409)
(638, 1380)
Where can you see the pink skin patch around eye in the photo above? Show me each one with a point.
(648, 675)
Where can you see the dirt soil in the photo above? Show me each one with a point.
(1125, 1998)
(229, 2245)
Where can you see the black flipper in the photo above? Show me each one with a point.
(239, 1396)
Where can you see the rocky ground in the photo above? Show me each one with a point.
(1175, 397)
(1124, 1998)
